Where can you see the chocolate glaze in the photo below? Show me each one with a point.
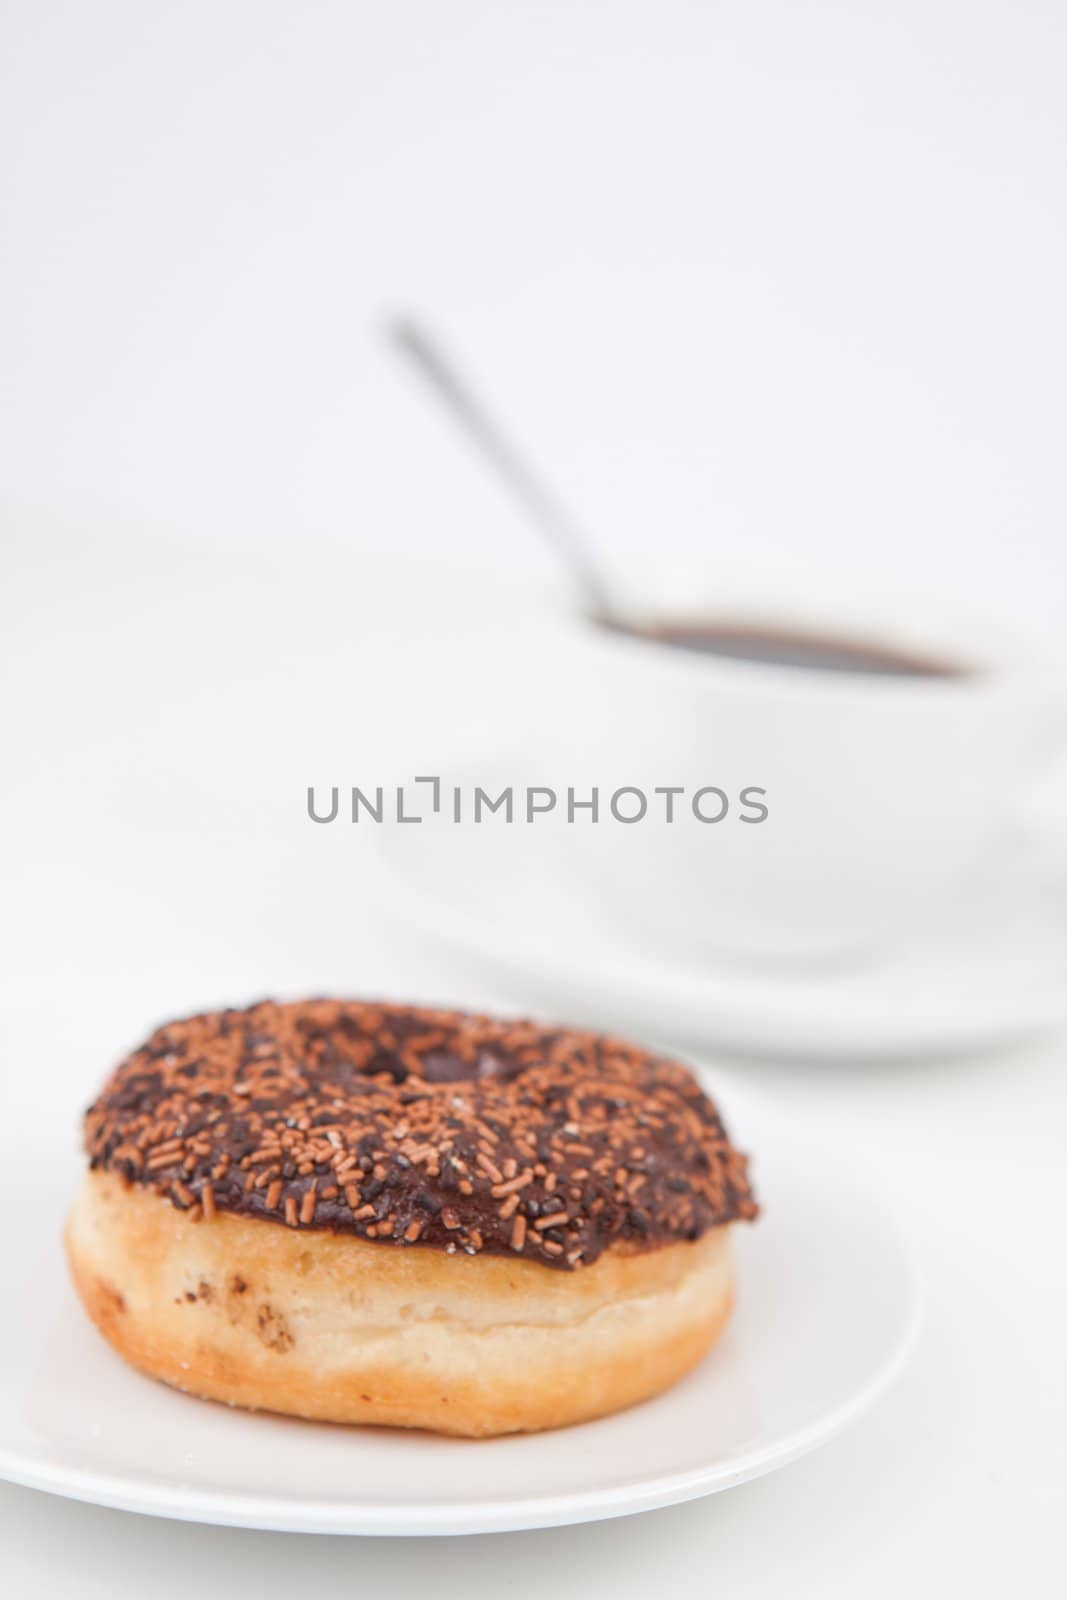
(416, 1126)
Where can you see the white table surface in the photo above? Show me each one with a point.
(166, 720)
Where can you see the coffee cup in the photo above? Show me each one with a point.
(724, 791)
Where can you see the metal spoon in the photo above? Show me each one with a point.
(555, 522)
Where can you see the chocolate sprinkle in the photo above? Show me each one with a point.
(421, 1127)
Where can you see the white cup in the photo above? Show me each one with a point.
(883, 794)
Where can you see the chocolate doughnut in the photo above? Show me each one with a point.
(367, 1212)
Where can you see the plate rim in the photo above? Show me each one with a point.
(340, 1518)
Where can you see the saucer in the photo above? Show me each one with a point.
(827, 1311)
(990, 972)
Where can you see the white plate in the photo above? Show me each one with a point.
(826, 1312)
(992, 971)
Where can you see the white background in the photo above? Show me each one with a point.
(785, 278)
(789, 275)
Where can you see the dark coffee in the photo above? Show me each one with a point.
(785, 648)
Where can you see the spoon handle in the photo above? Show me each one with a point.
(540, 502)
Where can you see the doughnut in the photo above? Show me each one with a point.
(364, 1212)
